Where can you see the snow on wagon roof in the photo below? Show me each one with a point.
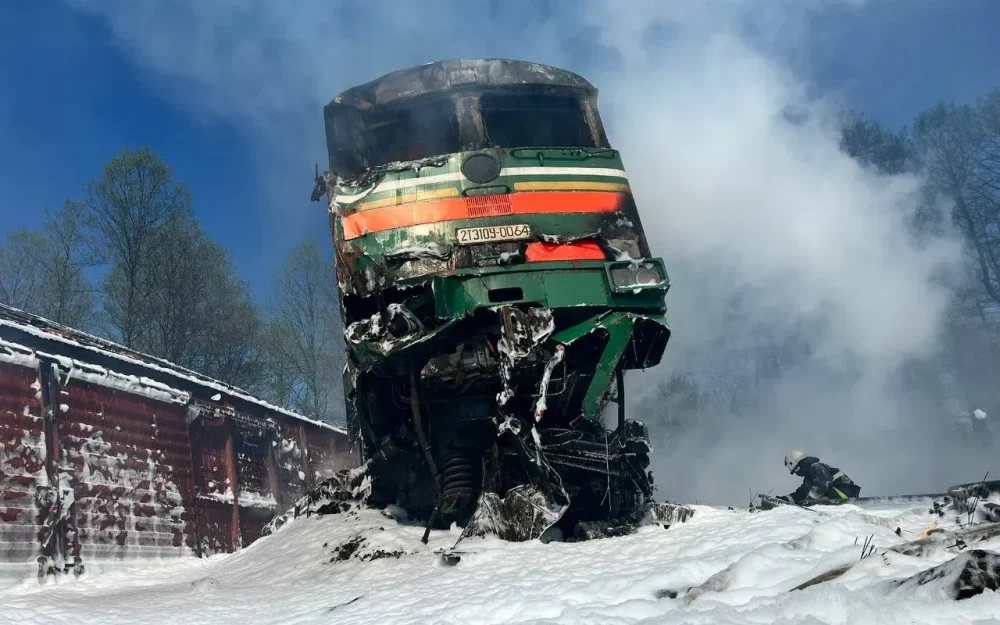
(18, 325)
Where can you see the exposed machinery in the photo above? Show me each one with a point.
(495, 286)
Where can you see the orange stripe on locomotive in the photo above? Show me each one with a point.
(499, 205)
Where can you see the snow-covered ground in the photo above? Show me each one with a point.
(366, 568)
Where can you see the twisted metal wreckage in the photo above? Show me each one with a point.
(495, 285)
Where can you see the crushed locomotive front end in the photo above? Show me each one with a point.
(495, 286)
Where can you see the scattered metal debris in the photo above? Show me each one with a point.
(964, 576)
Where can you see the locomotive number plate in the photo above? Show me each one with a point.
(490, 234)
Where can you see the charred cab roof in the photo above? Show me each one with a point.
(461, 74)
(461, 105)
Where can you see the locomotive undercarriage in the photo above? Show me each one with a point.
(484, 426)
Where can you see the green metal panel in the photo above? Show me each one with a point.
(575, 288)
(572, 333)
(619, 328)
(555, 285)
(558, 265)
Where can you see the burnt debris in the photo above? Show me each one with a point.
(962, 577)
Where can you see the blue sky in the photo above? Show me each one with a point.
(75, 89)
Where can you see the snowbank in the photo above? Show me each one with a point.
(721, 566)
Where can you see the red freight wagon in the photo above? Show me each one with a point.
(109, 455)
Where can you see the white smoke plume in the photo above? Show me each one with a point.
(743, 189)
(735, 162)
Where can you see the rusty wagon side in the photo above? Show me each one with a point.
(108, 456)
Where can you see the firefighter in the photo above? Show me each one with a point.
(820, 482)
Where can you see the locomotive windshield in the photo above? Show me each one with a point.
(416, 131)
(407, 129)
(404, 131)
(516, 120)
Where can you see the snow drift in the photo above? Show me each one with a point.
(826, 565)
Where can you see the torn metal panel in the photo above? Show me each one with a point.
(618, 328)
(543, 386)
(433, 250)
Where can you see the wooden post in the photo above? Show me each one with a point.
(194, 528)
(233, 477)
(54, 548)
(272, 472)
(306, 461)
(50, 408)
(334, 452)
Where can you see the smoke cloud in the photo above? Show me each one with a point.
(771, 234)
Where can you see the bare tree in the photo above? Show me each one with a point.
(870, 143)
(44, 272)
(198, 313)
(279, 373)
(307, 336)
(21, 277)
(986, 184)
(988, 173)
(127, 206)
(69, 253)
(169, 291)
(951, 139)
(959, 147)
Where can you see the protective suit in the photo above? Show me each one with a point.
(820, 482)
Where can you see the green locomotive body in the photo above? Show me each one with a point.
(495, 285)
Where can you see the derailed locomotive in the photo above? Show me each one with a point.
(495, 285)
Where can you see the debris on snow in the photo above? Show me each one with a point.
(953, 540)
(830, 575)
(522, 514)
(662, 515)
(964, 576)
(359, 548)
(345, 491)
(667, 514)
